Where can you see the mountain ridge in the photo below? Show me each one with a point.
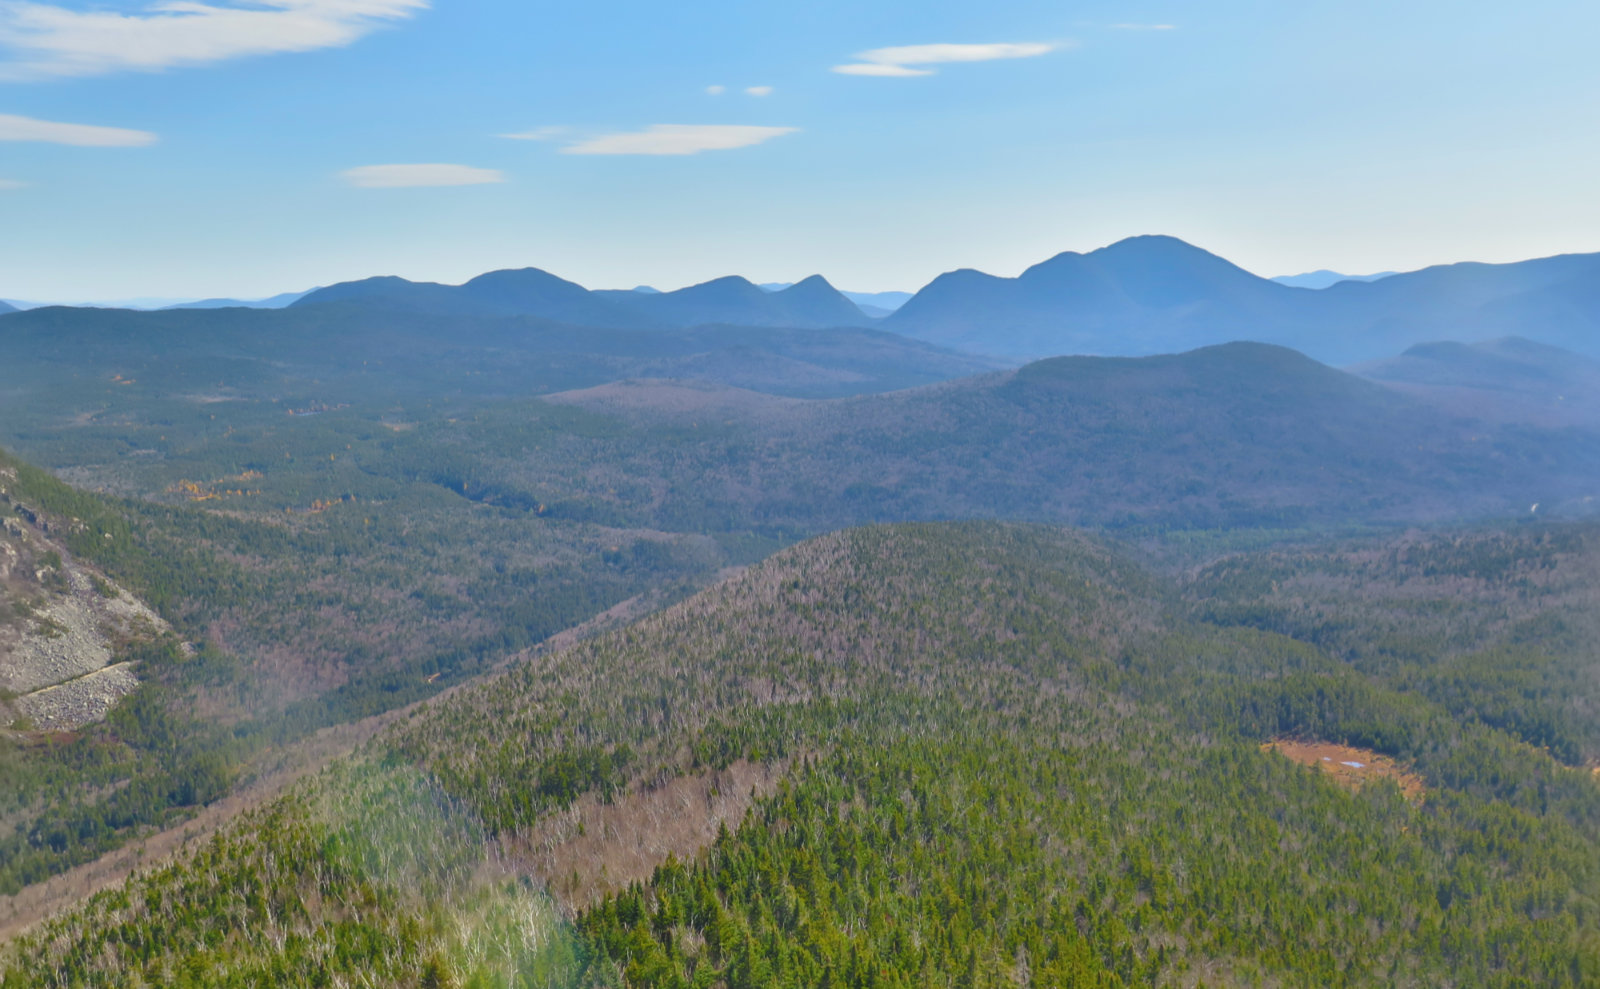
(732, 300)
(1511, 379)
(1323, 278)
(1142, 295)
(1158, 294)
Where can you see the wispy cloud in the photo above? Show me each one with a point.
(759, 91)
(419, 176)
(537, 134)
(677, 139)
(913, 60)
(716, 90)
(6, 184)
(1144, 27)
(13, 128)
(40, 40)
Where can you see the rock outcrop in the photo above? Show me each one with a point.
(61, 624)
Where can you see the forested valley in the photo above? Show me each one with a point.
(1221, 668)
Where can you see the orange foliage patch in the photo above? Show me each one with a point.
(1350, 767)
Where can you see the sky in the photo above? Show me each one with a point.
(195, 148)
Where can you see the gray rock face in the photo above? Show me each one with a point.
(79, 702)
(72, 647)
(61, 623)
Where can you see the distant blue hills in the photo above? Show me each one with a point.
(1143, 295)
(1151, 295)
(1323, 278)
(810, 304)
(274, 302)
(1140, 296)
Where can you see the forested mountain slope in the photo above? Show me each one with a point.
(1511, 379)
(1008, 754)
(1242, 434)
(302, 620)
(347, 352)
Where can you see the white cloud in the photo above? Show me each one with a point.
(13, 128)
(1144, 27)
(874, 69)
(42, 40)
(677, 139)
(537, 134)
(716, 90)
(415, 176)
(11, 184)
(911, 60)
(759, 91)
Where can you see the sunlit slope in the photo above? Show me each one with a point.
(1009, 755)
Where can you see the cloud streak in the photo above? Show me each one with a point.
(913, 60)
(14, 128)
(537, 134)
(677, 139)
(1144, 27)
(40, 40)
(6, 184)
(419, 176)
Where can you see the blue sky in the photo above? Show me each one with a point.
(232, 148)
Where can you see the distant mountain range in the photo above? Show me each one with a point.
(1143, 295)
(810, 304)
(149, 303)
(274, 302)
(1323, 278)
(1140, 296)
(875, 304)
(1151, 295)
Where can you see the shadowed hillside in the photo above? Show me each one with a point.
(1237, 435)
(1502, 380)
(348, 352)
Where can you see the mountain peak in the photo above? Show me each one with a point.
(810, 286)
(518, 276)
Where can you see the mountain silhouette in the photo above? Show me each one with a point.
(1144, 295)
(1149, 295)
(272, 302)
(1323, 278)
(811, 304)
